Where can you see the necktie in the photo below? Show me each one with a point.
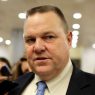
(41, 88)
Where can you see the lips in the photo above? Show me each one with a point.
(40, 58)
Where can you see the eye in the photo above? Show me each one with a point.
(49, 37)
(30, 40)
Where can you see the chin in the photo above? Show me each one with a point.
(42, 72)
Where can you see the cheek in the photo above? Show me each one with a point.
(29, 50)
(59, 51)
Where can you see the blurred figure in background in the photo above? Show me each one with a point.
(4, 61)
(5, 76)
(5, 69)
(20, 68)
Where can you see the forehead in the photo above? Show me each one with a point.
(2, 63)
(42, 21)
(44, 16)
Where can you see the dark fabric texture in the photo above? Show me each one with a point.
(81, 83)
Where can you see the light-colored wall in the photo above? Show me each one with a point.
(86, 56)
(76, 53)
(88, 60)
(6, 51)
(17, 45)
(14, 51)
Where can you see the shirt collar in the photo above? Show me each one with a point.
(61, 77)
(53, 83)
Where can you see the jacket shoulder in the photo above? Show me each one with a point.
(81, 83)
(22, 82)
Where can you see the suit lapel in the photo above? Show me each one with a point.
(78, 84)
(22, 82)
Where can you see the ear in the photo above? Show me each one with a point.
(69, 38)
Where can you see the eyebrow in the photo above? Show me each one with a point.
(43, 33)
(48, 32)
(28, 36)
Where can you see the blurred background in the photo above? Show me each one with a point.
(80, 15)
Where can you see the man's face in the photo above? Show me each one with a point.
(47, 46)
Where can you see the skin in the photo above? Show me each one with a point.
(47, 44)
(2, 64)
(25, 67)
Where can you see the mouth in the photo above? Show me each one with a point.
(41, 61)
(40, 58)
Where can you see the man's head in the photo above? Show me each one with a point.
(48, 8)
(47, 41)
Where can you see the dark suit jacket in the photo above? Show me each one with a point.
(81, 83)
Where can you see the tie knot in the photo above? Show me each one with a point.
(41, 86)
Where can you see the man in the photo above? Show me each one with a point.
(47, 42)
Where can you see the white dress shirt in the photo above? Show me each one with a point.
(57, 86)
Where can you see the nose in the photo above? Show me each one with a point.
(39, 46)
